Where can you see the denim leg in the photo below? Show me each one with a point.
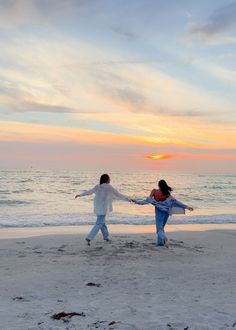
(161, 219)
(165, 219)
(156, 218)
(104, 231)
(98, 225)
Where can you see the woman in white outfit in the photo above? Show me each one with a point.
(104, 194)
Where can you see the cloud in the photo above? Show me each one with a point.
(12, 92)
(119, 62)
(103, 82)
(20, 99)
(129, 96)
(192, 155)
(221, 21)
(16, 131)
(188, 14)
(64, 87)
(101, 79)
(148, 90)
(125, 33)
(35, 11)
(194, 112)
(45, 143)
(38, 107)
(223, 73)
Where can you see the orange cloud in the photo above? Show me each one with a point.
(159, 156)
(18, 131)
(209, 156)
(191, 156)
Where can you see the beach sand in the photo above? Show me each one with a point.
(191, 285)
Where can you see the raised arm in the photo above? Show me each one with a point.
(87, 192)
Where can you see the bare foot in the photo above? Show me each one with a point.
(88, 241)
(166, 243)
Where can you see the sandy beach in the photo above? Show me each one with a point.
(133, 283)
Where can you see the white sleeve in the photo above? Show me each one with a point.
(119, 195)
(89, 192)
(179, 204)
(143, 201)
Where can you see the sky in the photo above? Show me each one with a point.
(123, 85)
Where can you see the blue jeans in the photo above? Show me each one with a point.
(161, 220)
(100, 224)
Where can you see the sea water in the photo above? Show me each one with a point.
(31, 198)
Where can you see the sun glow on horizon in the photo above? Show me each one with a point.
(159, 156)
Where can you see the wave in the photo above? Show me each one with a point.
(25, 180)
(5, 192)
(48, 220)
(13, 202)
(20, 191)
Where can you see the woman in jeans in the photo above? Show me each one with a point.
(165, 205)
(104, 194)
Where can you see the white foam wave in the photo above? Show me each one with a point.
(89, 219)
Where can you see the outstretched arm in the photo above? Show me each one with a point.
(145, 201)
(180, 204)
(87, 192)
(120, 196)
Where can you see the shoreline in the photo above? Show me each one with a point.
(27, 232)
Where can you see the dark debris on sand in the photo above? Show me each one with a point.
(66, 316)
(93, 284)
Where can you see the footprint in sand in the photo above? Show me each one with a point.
(177, 326)
(180, 244)
(19, 298)
(123, 326)
(38, 247)
(112, 325)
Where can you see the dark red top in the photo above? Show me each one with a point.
(157, 195)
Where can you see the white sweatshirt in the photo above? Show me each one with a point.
(104, 194)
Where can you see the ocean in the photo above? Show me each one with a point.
(35, 198)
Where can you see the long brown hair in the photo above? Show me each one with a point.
(164, 188)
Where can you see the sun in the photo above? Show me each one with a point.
(159, 156)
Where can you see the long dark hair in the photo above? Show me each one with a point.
(164, 188)
(104, 178)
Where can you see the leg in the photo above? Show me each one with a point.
(166, 243)
(159, 225)
(104, 231)
(98, 225)
(156, 218)
(161, 218)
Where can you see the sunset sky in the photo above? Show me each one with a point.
(123, 84)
